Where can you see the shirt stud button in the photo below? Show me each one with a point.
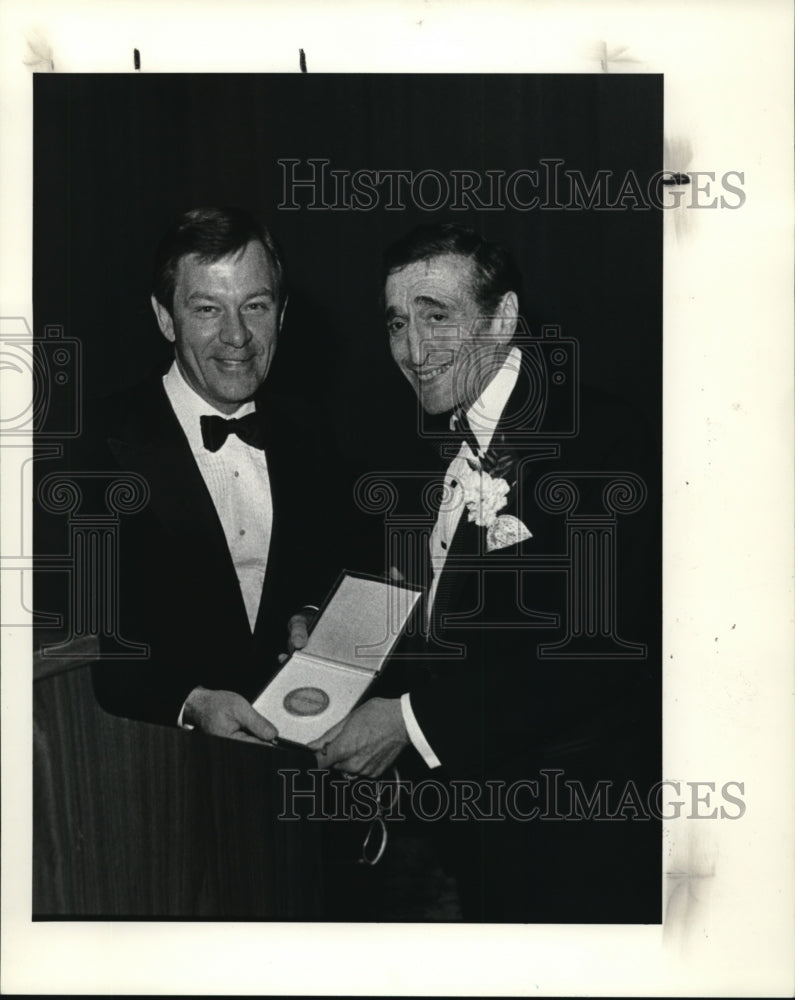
(242, 531)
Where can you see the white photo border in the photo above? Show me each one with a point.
(728, 534)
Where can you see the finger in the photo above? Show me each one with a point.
(283, 657)
(369, 765)
(376, 767)
(299, 635)
(323, 760)
(245, 737)
(254, 723)
(347, 749)
(339, 750)
(327, 737)
(366, 765)
(350, 765)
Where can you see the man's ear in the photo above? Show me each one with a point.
(507, 317)
(164, 320)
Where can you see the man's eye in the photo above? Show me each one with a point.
(438, 317)
(257, 306)
(395, 326)
(205, 309)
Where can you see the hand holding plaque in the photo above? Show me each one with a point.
(352, 637)
(367, 742)
(225, 713)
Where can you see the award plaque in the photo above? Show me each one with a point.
(354, 634)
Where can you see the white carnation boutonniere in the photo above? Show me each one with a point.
(485, 493)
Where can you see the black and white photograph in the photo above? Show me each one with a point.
(348, 571)
(244, 432)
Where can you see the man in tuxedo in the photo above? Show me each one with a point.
(211, 570)
(523, 684)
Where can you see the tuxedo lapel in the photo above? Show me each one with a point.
(470, 543)
(152, 443)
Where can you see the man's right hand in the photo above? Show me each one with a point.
(225, 713)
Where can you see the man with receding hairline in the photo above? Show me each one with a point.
(474, 700)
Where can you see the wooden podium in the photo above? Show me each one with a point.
(132, 820)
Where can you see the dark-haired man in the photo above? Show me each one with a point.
(211, 570)
(493, 716)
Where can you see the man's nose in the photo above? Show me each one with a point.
(418, 344)
(234, 330)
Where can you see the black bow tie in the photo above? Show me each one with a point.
(215, 430)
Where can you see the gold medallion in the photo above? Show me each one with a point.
(306, 701)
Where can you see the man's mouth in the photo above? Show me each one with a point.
(429, 374)
(233, 363)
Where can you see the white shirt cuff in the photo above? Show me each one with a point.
(416, 736)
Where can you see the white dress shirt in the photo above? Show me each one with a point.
(237, 479)
(483, 417)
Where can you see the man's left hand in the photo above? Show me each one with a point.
(367, 741)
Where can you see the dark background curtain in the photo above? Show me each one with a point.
(117, 157)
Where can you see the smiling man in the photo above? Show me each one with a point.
(210, 570)
(451, 310)
(223, 316)
(522, 687)
(446, 338)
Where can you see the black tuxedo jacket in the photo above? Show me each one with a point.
(178, 591)
(485, 696)
(495, 707)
